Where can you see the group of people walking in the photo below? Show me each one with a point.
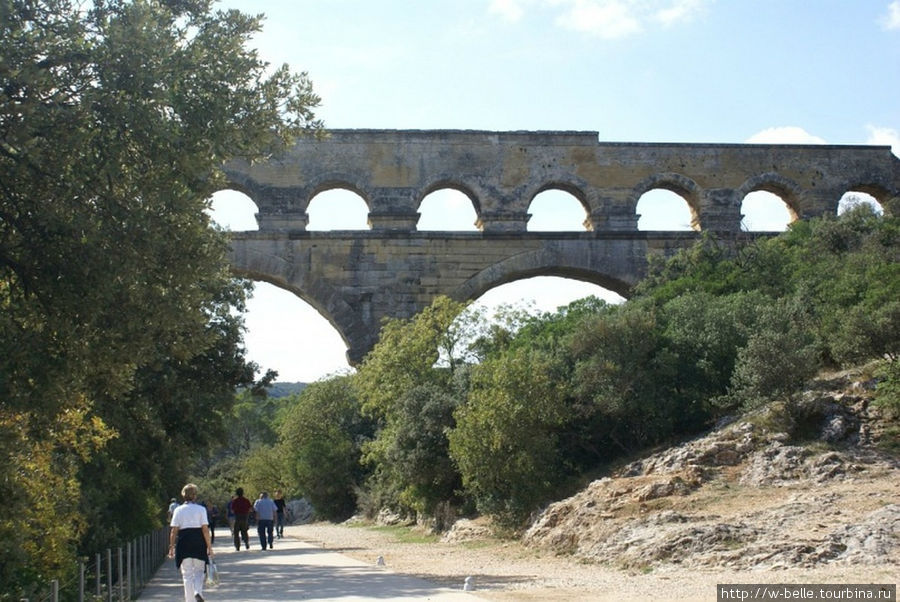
(269, 515)
(193, 527)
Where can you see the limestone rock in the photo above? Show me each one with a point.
(746, 496)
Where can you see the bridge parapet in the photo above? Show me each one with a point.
(502, 172)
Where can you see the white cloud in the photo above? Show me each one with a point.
(886, 136)
(511, 10)
(790, 134)
(892, 19)
(680, 10)
(608, 19)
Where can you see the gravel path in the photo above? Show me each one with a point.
(504, 570)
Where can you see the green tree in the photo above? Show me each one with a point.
(406, 355)
(868, 332)
(411, 452)
(265, 468)
(624, 378)
(506, 437)
(406, 385)
(253, 421)
(321, 440)
(837, 277)
(44, 472)
(115, 121)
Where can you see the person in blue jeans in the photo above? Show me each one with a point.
(266, 512)
(279, 521)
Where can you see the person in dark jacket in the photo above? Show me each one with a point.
(279, 521)
(190, 544)
(241, 507)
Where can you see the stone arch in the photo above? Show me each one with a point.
(336, 181)
(786, 189)
(542, 262)
(763, 211)
(570, 183)
(886, 195)
(233, 210)
(442, 210)
(325, 299)
(548, 293)
(575, 193)
(347, 209)
(854, 198)
(659, 209)
(266, 198)
(474, 192)
(236, 185)
(681, 185)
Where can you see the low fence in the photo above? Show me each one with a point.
(114, 575)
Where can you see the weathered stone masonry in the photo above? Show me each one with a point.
(357, 278)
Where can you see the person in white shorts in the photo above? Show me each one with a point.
(190, 544)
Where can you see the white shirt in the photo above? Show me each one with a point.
(189, 516)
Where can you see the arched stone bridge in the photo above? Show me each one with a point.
(357, 278)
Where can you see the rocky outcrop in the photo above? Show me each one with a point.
(787, 486)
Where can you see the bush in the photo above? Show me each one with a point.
(778, 358)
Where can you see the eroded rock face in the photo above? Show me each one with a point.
(466, 530)
(745, 496)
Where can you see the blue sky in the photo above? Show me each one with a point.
(823, 71)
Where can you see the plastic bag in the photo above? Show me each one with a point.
(212, 574)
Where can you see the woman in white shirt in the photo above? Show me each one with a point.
(190, 544)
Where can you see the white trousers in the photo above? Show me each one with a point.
(193, 573)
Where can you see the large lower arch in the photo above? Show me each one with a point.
(357, 279)
(542, 262)
(325, 299)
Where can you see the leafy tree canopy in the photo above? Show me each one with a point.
(116, 118)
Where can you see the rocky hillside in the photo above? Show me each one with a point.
(778, 488)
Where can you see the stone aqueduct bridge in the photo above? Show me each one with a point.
(356, 278)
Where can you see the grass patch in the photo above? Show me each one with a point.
(406, 534)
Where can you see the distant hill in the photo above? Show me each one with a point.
(284, 389)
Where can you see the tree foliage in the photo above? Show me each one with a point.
(321, 443)
(407, 386)
(43, 470)
(506, 438)
(406, 354)
(116, 118)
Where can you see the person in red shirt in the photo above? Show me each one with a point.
(241, 507)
